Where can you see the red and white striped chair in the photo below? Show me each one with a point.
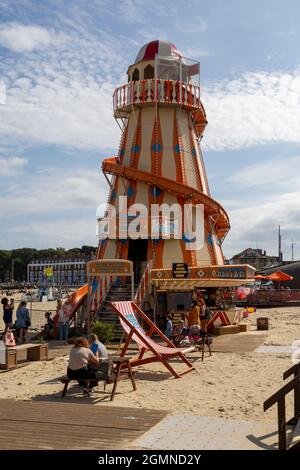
(127, 312)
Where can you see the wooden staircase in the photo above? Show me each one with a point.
(106, 312)
(279, 398)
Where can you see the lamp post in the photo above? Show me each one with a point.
(13, 270)
(292, 246)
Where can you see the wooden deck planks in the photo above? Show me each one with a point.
(238, 343)
(48, 425)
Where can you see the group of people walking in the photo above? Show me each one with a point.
(22, 322)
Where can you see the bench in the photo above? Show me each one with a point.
(34, 352)
(119, 364)
(10, 359)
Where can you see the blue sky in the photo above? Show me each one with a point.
(61, 60)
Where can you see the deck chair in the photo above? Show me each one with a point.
(128, 312)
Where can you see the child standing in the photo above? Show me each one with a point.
(169, 327)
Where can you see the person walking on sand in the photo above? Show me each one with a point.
(205, 315)
(169, 327)
(68, 309)
(194, 315)
(8, 309)
(22, 321)
(63, 322)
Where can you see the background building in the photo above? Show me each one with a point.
(62, 271)
(256, 258)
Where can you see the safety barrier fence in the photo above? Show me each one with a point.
(157, 91)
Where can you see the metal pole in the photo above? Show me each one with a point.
(88, 308)
(293, 244)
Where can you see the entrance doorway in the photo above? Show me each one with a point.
(137, 252)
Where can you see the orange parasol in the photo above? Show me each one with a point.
(260, 276)
(279, 276)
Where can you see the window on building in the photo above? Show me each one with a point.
(136, 75)
(149, 72)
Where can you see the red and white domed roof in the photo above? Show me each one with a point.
(162, 48)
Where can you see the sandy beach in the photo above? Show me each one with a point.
(232, 385)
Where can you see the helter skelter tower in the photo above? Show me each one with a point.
(159, 160)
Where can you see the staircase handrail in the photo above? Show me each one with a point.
(104, 287)
(279, 398)
(144, 285)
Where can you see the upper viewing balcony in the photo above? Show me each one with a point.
(151, 91)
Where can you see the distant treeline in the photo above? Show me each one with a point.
(22, 256)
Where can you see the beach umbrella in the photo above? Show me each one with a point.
(279, 276)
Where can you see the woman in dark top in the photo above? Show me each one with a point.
(7, 314)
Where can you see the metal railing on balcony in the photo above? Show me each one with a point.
(157, 91)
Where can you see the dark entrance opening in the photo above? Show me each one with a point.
(137, 252)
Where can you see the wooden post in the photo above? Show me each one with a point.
(132, 287)
(297, 394)
(281, 423)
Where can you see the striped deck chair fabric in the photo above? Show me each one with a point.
(128, 313)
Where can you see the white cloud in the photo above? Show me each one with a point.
(61, 103)
(63, 96)
(54, 208)
(258, 223)
(194, 26)
(270, 196)
(194, 53)
(72, 113)
(21, 38)
(66, 232)
(10, 166)
(282, 173)
(255, 109)
(54, 192)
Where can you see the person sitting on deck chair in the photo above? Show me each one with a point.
(80, 358)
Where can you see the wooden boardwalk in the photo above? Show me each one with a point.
(238, 343)
(55, 426)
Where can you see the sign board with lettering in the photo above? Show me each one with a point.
(113, 267)
(48, 271)
(180, 270)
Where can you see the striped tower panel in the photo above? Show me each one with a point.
(160, 160)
